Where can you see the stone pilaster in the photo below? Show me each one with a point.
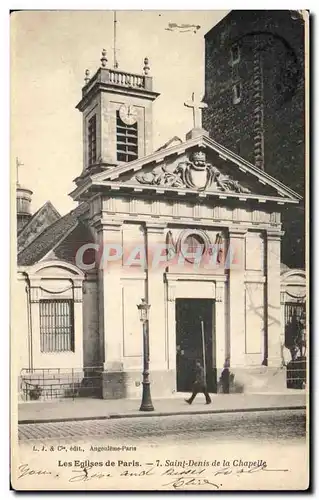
(273, 313)
(236, 295)
(220, 329)
(109, 233)
(171, 325)
(155, 239)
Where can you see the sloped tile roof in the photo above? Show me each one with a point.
(40, 220)
(50, 237)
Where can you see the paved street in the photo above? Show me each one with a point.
(275, 426)
(86, 409)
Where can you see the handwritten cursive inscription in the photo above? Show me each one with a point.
(195, 477)
(177, 477)
(191, 481)
(227, 471)
(26, 470)
(185, 472)
(85, 474)
(146, 472)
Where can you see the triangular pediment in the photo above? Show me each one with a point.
(43, 218)
(198, 165)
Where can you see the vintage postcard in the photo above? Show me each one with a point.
(159, 319)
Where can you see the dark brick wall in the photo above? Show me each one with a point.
(228, 123)
(280, 39)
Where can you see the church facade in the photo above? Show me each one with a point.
(192, 228)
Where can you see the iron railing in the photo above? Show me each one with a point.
(60, 383)
(297, 373)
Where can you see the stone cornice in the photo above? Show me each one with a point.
(163, 209)
(195, 277)
(249, 278)
(155, 227)
(117, 189)
(237, 231)
(274, 235)
(103, 225)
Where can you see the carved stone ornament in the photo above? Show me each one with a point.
(194, 174)
(170, 246)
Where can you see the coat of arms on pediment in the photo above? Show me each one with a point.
(194, 173)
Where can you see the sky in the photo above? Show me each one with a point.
(50, 51)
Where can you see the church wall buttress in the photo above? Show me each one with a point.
(91, 346)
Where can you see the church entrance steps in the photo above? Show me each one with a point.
(59, 411)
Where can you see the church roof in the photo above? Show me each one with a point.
(40, 220)
(50, 237)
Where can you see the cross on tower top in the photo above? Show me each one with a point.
(18, 165)
(197, 106)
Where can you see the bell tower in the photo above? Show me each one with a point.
(23, 201)
(117, 116)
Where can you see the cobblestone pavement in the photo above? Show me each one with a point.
(271, 426)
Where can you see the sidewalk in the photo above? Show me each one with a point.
(96, 409)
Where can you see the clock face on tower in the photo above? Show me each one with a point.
(128, 114)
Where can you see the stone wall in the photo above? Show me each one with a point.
(272, 101)
(245, 329)
(20, 336)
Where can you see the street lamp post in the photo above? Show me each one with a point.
(146, 404)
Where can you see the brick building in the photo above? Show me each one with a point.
(255, 91)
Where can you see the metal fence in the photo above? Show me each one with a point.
(297, 373)
(296, 342)
(59, 383)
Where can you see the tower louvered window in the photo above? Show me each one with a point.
(56, 325)
(126, 140)
(92, 140)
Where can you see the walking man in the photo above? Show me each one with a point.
(199, 385)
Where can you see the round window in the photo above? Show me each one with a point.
(193, 247)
